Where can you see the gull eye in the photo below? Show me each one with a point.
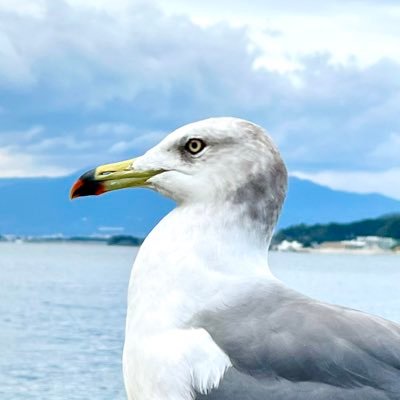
(194, 146)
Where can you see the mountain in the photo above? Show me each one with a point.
(310, 203)
(40, 206)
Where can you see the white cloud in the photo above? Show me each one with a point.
(15, 164)
(23, 7)
(110, 129)
(385, 182)
(388, 151)
(141, 142)
(37, 152)
(100, 79)
(24, 136)
(90, 57)
(365, 31)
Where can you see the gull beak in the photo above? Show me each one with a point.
(111, 177)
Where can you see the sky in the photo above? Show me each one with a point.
(85, 82)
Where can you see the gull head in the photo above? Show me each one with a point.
(228, 162)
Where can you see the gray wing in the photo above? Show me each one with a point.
(286, 346)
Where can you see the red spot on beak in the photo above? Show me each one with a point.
(87, 185)
(100, 190)
(74, 193)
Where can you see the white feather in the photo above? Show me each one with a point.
(179, 271)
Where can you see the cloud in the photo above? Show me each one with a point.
(109, 129)
(387, 152)
(15, 164)
(21, 137)
(142, 142)
(85, 84)
(385, 182)
(306, 27)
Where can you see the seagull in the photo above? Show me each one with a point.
(206, 318)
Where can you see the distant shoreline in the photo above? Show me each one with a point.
(117, 240)
(369, 252)
(132, 241)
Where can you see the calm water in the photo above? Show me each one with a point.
(62, 310)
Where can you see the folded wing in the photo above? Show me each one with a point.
(284, 346)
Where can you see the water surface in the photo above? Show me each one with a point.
(62, 311)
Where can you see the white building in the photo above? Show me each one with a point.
(287, 245)
(370, 242)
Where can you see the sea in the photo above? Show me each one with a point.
(62, 310)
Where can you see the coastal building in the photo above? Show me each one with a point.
(287, 245)
(370, 243)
